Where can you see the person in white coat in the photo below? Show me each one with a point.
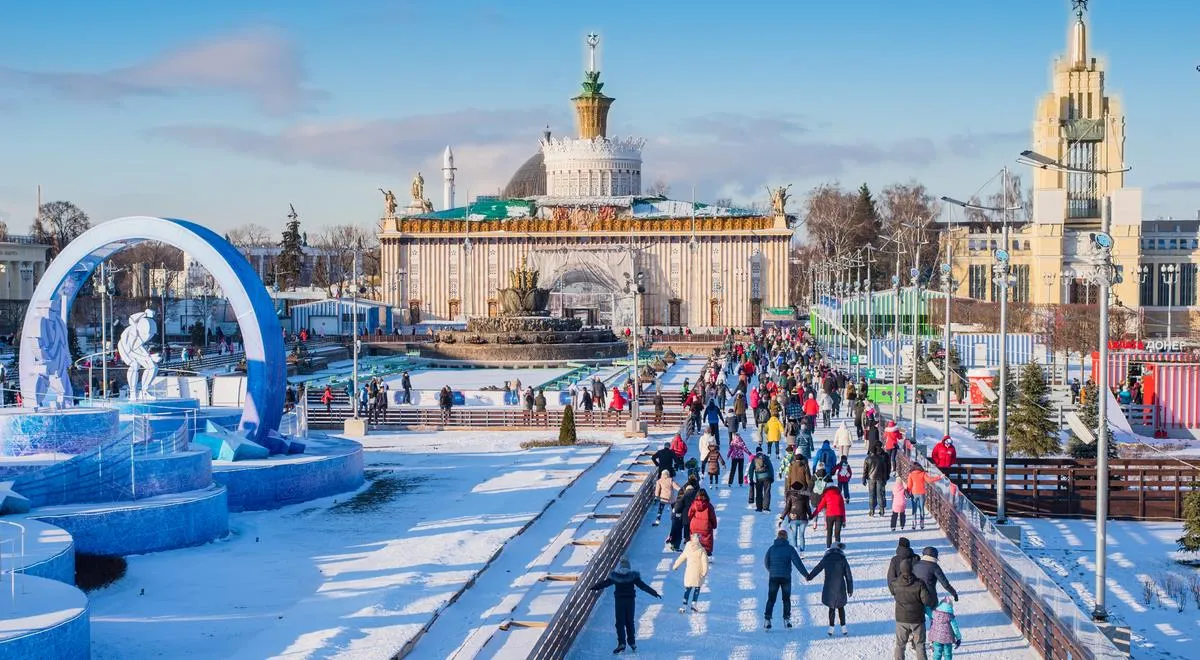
(841, 440)
(696, 559)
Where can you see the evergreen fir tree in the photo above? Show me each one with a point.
(290, 256)
(1089, 414)
(865, 221)
(989, 428)
(1190, 540)
(566, 430)
(1031, 429)
(924, 375)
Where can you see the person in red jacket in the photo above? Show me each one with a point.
(835, 513)
(944, 454)
(891, 440)
(811, 409)
(679, 447)
(703, 520)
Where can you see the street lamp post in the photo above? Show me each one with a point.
(915, 274)
(896, 342)
(1106, 276)
(947, 288)
(1170, 275)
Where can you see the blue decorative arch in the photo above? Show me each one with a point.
(262, 336)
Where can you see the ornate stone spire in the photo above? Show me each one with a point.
(591, 106)
(1079, 57)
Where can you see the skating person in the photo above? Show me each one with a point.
(702, 520)
(774, 433)
(899, 502)
(679, 446)
(839, 584)
(713, 462)
(796, 512)
(738, 453)
(911, 600)
(917, 482)
(679, 514)
(798, 471)
(842, 440)
(665, 459)
(664, 491)
(694, 573)
(781, 557)
(811, 409)
(624, 581)
(876, 472)
(834, 506)
(804, 439)
(903, 553)
(826, 458)
(944, 454)
(762, 475)
(714, 418)
(891, 441)
(927, 570)
(826, 402)
(943, 631)
(843, 474)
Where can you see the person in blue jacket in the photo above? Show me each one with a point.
(825, 456)
(714, 418)
(623, 580)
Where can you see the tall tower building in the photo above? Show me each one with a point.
(592, 165)
(448, 179)
(1081, 124)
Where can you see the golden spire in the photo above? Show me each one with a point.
(591, 106)
(1079, 58)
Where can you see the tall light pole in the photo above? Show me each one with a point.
(948, 289)
(354, 325)
(1000, 271)
(914, 274)
(1170, 275)
(1107, 276)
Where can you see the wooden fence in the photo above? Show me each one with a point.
(412, 416)
(576, 609)
(1139, 489)
(1046, 616)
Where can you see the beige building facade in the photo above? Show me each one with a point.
(575, 211)
(1080, 124)
(22, 262)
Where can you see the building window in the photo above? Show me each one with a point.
(1146, 287)
(1082, 201)
(977, 281)
(1186, 291)
(1020, 284)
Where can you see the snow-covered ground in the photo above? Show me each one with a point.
(729, 624)
(476, 379)
(347, 576)
(1138, 552)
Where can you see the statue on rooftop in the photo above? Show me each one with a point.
(389, 203)
(779, 199)
(418, 189)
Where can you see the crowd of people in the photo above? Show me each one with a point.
(781, 380)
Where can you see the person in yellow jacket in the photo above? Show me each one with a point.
(774, 430)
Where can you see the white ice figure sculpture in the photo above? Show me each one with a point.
(52, 357)
(132, 348)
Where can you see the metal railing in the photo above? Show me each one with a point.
(1047, 617)
(572, 616)
(411, 416)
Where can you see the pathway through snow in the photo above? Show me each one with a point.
(729, 623)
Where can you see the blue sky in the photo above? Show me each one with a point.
(226, 112)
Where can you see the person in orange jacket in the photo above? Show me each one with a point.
(916, 482)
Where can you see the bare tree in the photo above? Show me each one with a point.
(909, 216)
(334, 267)
(828, 211)
(57, 224)
(251, 236)
(660, 188)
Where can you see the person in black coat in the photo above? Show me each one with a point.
(876, 471)
(664, 459)
(903, 553)
(679, 512)
(624, 581)
(911, 600)
(781, 557)
(839, 584)
(927, 570)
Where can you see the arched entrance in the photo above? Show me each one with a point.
(44, 347)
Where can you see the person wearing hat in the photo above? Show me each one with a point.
(665, 459)
(944, 454)
(762, 476)
(927, 570)
(779, 560)
(891, 441)
(903, 553)
(624, 581)
(713, 462)
(839, 584)
(696, 561)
